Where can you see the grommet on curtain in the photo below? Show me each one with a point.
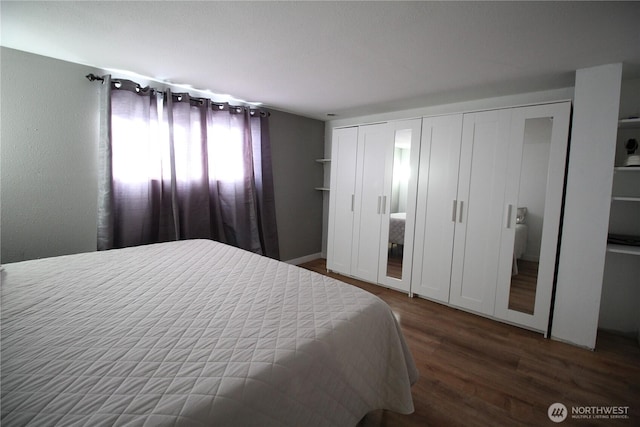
(117, 84)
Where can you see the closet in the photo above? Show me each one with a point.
(372, 202)
(463, 209)
(488, 211)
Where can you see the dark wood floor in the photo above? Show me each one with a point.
(522, 293)
(479, 372)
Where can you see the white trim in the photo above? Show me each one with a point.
(302, 260)
(464, 106)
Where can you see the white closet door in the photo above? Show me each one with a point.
(399, 205)
(341, 199)
(537, 155)
(480, 204)
(436, 206)
(375, 145)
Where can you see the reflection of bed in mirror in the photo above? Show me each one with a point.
(520, 244)
(396, 228)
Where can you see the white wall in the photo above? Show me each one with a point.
(588, 199)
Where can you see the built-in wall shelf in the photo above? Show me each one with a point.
(626, 172)
(625, 199)
(323, 162)
(625, 194)
(629, 123)
(623, 249)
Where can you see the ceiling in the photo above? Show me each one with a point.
(342, 58)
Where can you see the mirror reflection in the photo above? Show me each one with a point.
(398, 202)
(529, 215)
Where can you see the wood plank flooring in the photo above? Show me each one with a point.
(479, 372)
(522, 293)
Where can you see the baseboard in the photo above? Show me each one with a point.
(302, 260)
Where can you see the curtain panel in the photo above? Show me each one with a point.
(173, 167)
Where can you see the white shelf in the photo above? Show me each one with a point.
(629, 123)
(323, 162)
(623, 249)
(625, 199)
(627, 169)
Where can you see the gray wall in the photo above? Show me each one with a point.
(295, 143)
(48, 163)
(48, 157)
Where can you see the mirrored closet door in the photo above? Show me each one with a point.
(532, 207)
(398, 206)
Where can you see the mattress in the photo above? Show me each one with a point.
(519, 246)
(520, 243)
(396, 227)
(194, 333)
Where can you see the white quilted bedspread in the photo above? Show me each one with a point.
(194, 333)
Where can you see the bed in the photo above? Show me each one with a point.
(519, 245)
(396, 227)
(194, 333)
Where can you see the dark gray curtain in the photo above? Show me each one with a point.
(178, 167)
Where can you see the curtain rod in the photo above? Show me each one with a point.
(92, 78)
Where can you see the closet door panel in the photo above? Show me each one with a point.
(398, 205)
(480, 210)
(436, 206)
(537, 155)
(374, 146)
(342, 199)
